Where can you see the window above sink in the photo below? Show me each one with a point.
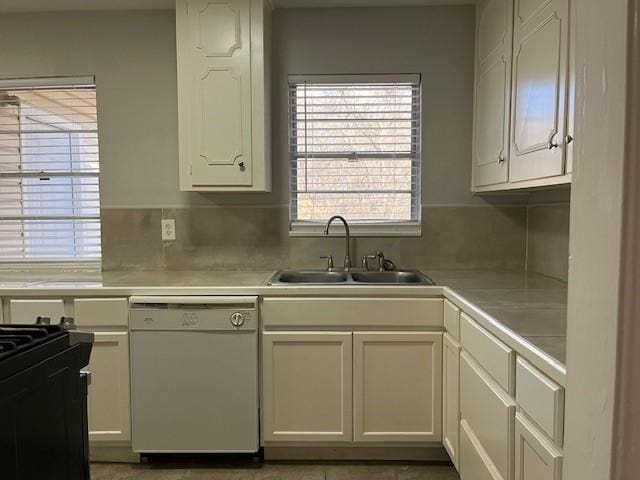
(355, 151)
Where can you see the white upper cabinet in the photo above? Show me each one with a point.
(492, 95)
(222, 52)
(523, 95)
(540, 71)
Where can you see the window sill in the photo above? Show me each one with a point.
(50, 267)
(316, 229)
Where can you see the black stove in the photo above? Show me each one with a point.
(43, 402)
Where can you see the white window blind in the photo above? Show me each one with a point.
(355, 148)
(49, 171)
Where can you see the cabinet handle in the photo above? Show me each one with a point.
(568, 139)
(552, 145)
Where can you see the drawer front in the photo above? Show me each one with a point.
(347, 313)
(26, 311)
(536, 457)
(541, 399)
(494, 356)
(473, 462)
(489, 412)
(452, 319)
(101, 312)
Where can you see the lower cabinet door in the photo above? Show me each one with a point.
(473, 462)
(451, 396)
(109, 398)
(307, 392)
(398, 386)
(536, 457)
(490, 414)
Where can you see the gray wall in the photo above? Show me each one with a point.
(132, 55)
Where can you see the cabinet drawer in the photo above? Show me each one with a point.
(541, 399)
(345, 313)
(536, 457)
(494, 356)
(101, 312)
(489, 412)
(26, 311)
(473, 462)
(452, 319)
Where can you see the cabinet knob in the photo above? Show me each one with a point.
(501, 158)
(241, 165)
(568, 139)
(552, 145)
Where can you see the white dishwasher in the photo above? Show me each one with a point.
(194, 374)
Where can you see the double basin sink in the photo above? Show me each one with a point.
(319, 277)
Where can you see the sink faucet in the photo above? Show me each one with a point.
(347, 256)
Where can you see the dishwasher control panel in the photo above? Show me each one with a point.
(193, 313)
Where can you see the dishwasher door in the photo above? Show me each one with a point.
(194, 375)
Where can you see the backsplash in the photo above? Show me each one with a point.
(257, 238)
(548, 234)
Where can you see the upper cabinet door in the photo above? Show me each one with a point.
(222, 56)
(493, 95)
(218, 64)
(540, 67)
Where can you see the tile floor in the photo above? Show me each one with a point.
(277, 471)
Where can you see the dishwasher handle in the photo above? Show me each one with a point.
(146, 301)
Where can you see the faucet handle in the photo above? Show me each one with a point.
(365, 260)
(329, 259)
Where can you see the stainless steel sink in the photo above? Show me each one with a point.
(403, 277)
(320, 277)
(311, 276)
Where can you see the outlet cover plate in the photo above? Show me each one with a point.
(168, 229)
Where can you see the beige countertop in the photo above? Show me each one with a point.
(527, 311)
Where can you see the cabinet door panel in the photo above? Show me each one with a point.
(398, 381)
(108, 403)
(307, 392)
(536, 457)
(451, 397)
(474, 463)
(489, 412)
(492, 92)
(539, 90)
(214, 53)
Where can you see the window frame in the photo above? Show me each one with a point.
(26, 83)
(309, 228)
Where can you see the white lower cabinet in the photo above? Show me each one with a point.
(451, 396)
(307, 386)
(536, 457)
(109, 411)
(473, 463)
(398, 381)
(489, 412)
(362, 387)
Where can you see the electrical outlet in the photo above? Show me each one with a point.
(169, 229)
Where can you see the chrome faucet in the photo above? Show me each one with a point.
(347, 256)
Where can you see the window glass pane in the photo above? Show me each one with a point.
(49, 175)
(355, 151)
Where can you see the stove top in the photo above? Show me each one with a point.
(15, 339)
